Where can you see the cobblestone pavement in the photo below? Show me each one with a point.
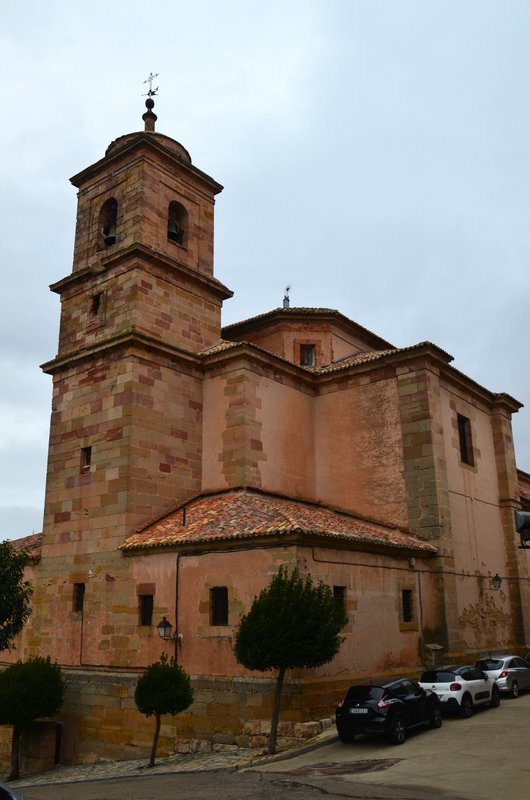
(200, 762)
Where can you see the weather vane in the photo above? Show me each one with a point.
(150, 80)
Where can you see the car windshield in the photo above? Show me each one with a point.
(437, 676)
(360, 694)
(490, 663)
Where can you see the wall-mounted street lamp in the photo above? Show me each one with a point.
(496, 582)
(165, 628)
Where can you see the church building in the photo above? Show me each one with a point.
(189, 461)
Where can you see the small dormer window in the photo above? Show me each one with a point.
(307, 355)
(108, 219)
(177, 224)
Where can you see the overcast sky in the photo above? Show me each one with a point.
(375, 156)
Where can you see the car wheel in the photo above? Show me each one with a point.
(514, 690)
(397, 731)
(495, 697)
(435, 719)
(346, 738)
(466, 707)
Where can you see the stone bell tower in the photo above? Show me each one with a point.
(140, 304)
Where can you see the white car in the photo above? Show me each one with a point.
(461, 688)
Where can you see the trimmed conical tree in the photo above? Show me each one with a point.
(28, 690)
(292, 623)
(164, 688)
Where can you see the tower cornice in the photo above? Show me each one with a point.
(162, 145)
(130, 338)
(140, 253)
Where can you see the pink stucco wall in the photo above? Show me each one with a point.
(358, 450)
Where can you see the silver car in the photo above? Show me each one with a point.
(512, 673)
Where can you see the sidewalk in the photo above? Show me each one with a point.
(200, 762)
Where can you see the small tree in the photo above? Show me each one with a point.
(292, 623)
(164, 688)
(14, 594)
(28, 690)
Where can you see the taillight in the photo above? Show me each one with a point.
(504, 674)
(455, 687)
(340, 704)
(383, 703)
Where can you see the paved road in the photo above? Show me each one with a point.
(481, 758)
(218, 785)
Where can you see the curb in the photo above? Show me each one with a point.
(312, 744)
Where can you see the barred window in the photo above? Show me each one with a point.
(219, 605)
(145, 609)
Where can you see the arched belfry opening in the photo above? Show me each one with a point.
(108, 220)
(177, 224)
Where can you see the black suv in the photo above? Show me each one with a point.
(388, 708)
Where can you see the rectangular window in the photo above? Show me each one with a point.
(86, 459)
(407, 605)
(79, 597)
(339, 593)
(219, 605)
(307, 355)
(145, 609)
(465, 440)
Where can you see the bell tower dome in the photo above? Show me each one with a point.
(139, 306)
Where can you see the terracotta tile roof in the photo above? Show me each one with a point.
(364, 357)
(294, 311)
(306, 311)
(357, 358)
(33, 544)
(223, 345)
(245, 515)
(524, 492)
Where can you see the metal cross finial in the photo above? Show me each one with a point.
(150, 80)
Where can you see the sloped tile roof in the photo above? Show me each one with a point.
(305, 311)
(245, 515)
(364, 357)
(358, 358)
(32, 544)
(524, 492)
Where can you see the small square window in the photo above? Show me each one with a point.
(78, 597)
(219, 605)
(465, 440)
(307, 355)
(145, 609)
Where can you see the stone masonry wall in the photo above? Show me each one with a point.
(100, 721)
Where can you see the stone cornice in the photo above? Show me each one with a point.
(143, 254)
(129, 338)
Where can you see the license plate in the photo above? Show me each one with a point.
(358, 711)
